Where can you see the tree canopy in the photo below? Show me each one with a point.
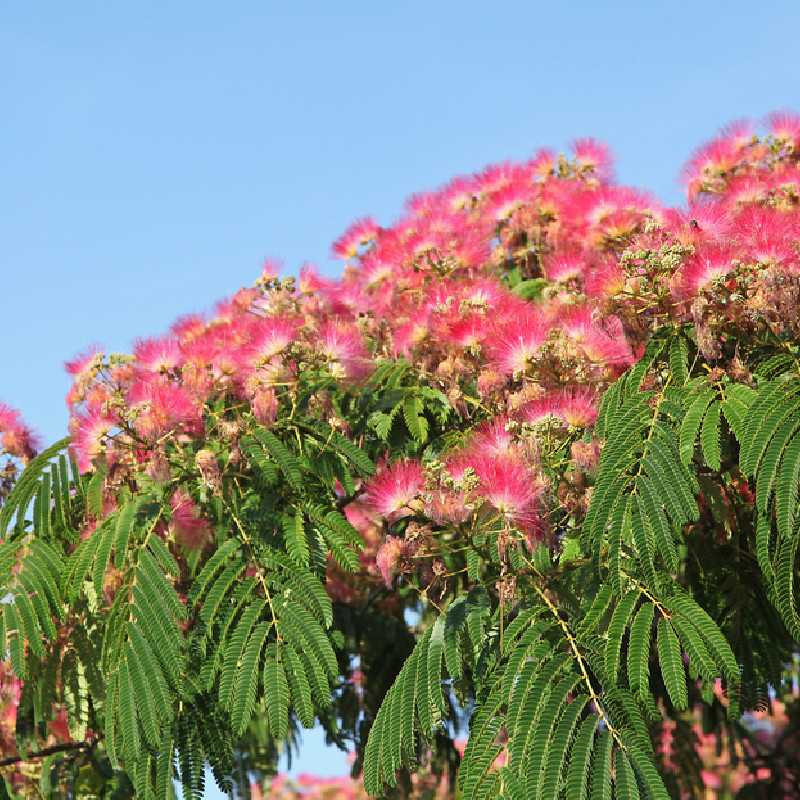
(510, 509)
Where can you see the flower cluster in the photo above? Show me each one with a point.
(17, 440)
(515, 296)
(729, 264)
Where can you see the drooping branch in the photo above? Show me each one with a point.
(47, 751)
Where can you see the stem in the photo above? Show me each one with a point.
(581, 663)
(47, 751)
(259, 574)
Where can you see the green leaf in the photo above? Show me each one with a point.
(639, 649)
(616, 630)
(671, 661)
(601, 767)
(415, 420)
(580, 759)
(244, 699)
(709, 437)
(295, 537)
(286, 461)
(625, 779)
(690, 426)
(276, 690)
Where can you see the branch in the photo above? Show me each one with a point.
(47, 751)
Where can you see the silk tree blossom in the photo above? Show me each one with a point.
(162, 407)
(343, 343)
(561, 267)
(359, 234)
(89, 434)
(510, 486)
(785, 127)
(717, 157)
(269, 337)
(514, 343)
(265, 405)
(83, 369)
(601, 340)
(16, 438)
(394, 488)
(593, 156)
(188, 525)
(493, 437)
(391, 555)
(158, 355)
(572, 406)
(701, 269)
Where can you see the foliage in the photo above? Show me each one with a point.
(529, 471)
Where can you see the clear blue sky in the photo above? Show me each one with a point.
(152, 153)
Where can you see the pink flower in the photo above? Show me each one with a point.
(265, 405)
(515, 342)
(270, 269)
(601, 340)
(510, 486)
(391, 490)
(360, 233)
(83, 363)
(595, 156)
(562, 267)
(89, 433)
(158, 355)
(575, 407)
(188, 525)
(388, 557)
(492, 437)
(16, 438)
(785, 126)
(269, 337)
(343, 344)
(162, 407)
(706, 265)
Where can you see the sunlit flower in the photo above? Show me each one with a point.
(394, 488)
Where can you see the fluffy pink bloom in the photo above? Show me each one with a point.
(392, 488)
(492, 437)
(717, 156)
(785, 126)
(586, 455)
(82, 363)
(408, 335)
(515, 342)
(269, 337)
(594, 155)
(188, 525)
(158, 355)
(343, 343)
(572, 406)
(388, 557)
(188, 327)
(88, 436)
(16, 438)
(270, 269)
(603, 279)
(510, 486)
(562, 267)
(360, 233)
(83, 369)
(706, 265)
(601, 339)
(506, 201)
(162, 407)
(444, 506)
(265, 405)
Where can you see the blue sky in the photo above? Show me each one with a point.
(152, 154)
